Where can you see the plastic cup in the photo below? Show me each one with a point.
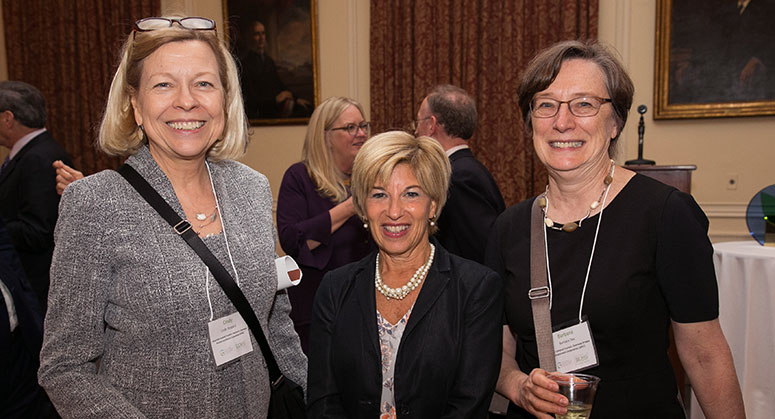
(580, 391)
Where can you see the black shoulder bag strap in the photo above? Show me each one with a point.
(183, 228)
(539, 290)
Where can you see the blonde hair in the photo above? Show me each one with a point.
(316, 153)
(382, 153)
(119, 133)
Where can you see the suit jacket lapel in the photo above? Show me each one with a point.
(463, 152)
(435, 283)
(8, 169)
(12, 163)
(363, 292)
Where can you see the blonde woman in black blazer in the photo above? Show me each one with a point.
(446, 309)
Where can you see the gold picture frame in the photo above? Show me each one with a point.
(279, 74)
(714, 60)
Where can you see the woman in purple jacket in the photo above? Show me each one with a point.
(316, 220)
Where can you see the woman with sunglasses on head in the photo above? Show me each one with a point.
(625, 257)
(134, 326)
(316, 219)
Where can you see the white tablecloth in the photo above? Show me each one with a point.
(746, 280)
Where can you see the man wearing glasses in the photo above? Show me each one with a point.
(448, 114)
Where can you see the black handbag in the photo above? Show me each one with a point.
(287, 398)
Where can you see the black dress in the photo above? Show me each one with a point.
(652, 263)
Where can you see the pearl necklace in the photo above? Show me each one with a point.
(401, 292)
(543, 202)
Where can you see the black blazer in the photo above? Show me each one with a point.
(449, 357)
(473, 203)
(20, 394)
(29, 203)
(28, 311)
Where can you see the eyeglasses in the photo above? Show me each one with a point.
(581, 106)
(416, 123)
(352, 129)
(191, 23)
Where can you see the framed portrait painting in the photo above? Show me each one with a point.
(275, 44)
(714, 58)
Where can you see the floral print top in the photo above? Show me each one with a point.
(389, 339)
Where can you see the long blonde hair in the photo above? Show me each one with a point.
(119, 133)
(316, 154)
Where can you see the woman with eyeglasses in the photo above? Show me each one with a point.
(137, 326)
(316, 220)
(625, 257)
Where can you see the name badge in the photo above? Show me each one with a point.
(229, 338)
(574, 349)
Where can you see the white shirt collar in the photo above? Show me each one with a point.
(455, 148)
(23, 142)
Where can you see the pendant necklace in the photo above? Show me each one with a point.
(205, 218)
(208, 218)
(401, 292)
(202, 216)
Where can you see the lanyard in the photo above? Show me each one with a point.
(225, 239)
(591, 256)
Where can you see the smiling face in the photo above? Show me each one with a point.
(566, 142)
(344, 147)
(398, 214)
(180, 101)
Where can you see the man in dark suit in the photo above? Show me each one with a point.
(28, 196)
(21, 335)
(448, 114)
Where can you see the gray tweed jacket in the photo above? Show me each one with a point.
(126, 330)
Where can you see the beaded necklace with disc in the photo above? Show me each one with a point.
(543, 202)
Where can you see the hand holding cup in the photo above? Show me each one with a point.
(580, 391)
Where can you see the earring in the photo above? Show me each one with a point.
(431, 222)
(366, 224)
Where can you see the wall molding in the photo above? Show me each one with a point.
(728, 236)
(724, 209)
(727, 221)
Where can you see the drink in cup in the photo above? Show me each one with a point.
(580, 391)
